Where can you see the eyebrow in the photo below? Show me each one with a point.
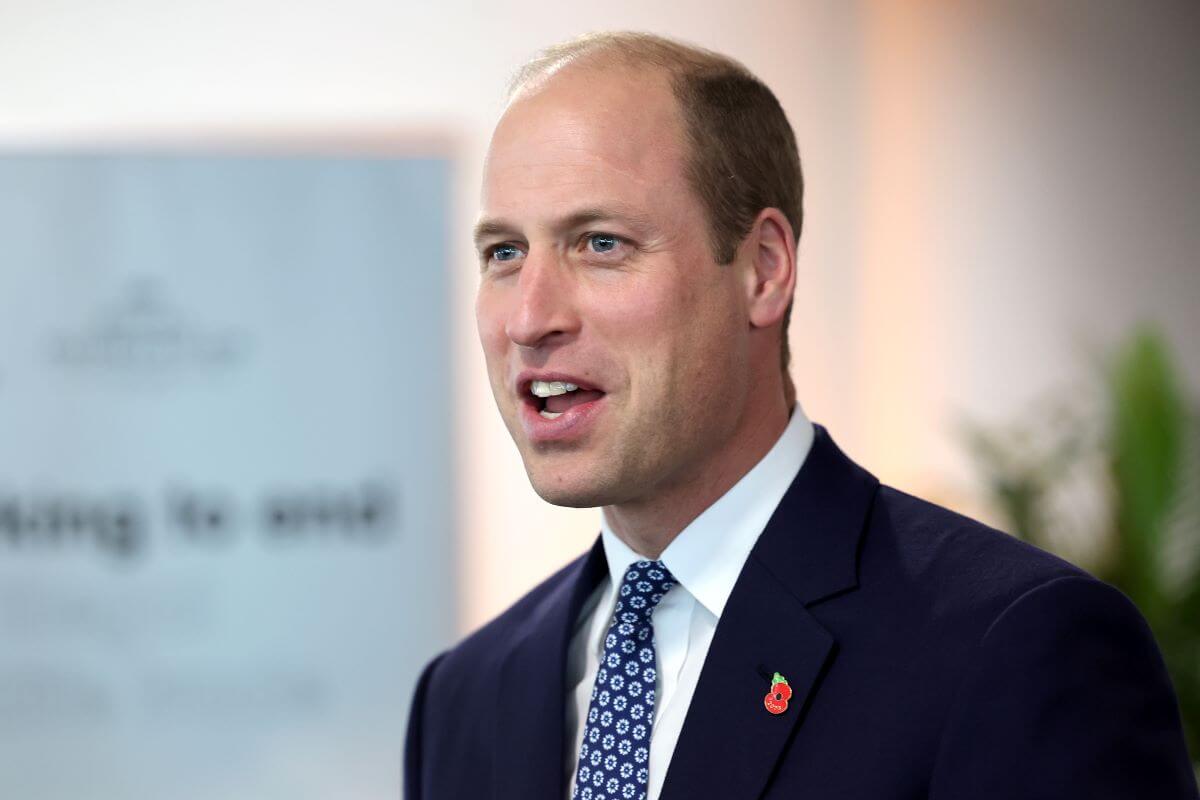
(487, 228)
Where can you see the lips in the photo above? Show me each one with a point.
(557, 406)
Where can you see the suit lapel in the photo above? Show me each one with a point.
(530, 728)
(730, 744)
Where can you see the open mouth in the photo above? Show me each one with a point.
(552, 399)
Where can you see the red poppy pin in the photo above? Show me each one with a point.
(776, 700)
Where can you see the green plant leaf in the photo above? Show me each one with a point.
(1147, 431)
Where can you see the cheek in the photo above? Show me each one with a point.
(710, 343)
(679, 337)
(683, 315)
(644, 324)
(490, 320)
(659, 299)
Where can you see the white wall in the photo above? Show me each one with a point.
(989, 184)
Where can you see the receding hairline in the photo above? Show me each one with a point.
(630, 49)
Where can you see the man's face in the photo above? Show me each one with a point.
(598, 272)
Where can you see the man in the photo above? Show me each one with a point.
(759, 617)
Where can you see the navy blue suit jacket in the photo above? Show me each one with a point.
(929, 656)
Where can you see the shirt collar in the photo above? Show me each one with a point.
(707, 556)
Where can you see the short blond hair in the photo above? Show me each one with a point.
(743, 154)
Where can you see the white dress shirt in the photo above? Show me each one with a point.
(706, 559)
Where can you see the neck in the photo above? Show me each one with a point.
(648, 526)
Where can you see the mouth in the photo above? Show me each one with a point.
(556, 405)
(552, 399)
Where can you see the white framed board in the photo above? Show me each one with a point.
(226, 523)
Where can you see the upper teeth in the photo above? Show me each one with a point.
(551, 388)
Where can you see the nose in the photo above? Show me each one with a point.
(545, 303)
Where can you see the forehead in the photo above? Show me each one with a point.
(585, 137)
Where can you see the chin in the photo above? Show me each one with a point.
(570, 496)
(569, 488)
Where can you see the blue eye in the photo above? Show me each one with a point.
(505, 252)
(603, 242)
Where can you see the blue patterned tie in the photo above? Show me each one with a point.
(614, 758)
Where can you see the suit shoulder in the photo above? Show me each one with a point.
(1073, 656)
(481, 648)
(957, 560)
(469, 676)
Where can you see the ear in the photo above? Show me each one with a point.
(771, 279)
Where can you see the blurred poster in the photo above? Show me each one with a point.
(225, 486)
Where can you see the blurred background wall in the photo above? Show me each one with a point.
(997, 192)
(992, 186)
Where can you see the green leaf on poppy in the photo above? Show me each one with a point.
(778, 679)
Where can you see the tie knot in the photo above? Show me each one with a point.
(644, 585)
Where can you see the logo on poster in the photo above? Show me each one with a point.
(142, 331)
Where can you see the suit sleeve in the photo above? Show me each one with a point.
(1066, 696)
(413, 750)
